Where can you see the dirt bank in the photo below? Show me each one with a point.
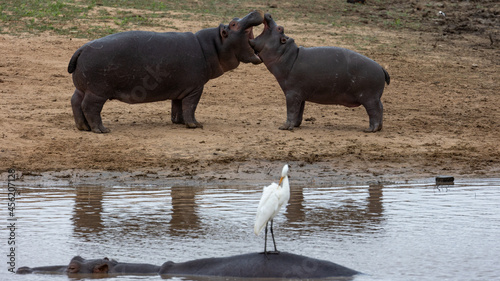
(441, 115)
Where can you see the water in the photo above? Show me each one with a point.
(388, 232)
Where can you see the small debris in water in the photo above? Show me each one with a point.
(440, 180)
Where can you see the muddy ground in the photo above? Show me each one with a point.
(441, 114)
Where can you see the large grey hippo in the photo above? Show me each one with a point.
(141, 66)
(325, 75)
(253, 265)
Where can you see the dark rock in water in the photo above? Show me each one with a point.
(444, 180)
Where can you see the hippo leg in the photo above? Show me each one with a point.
(375, 112)
(177, 117)
(294, 110)
(189, 104)
(92, 106)
(301, 114)
(76, 105)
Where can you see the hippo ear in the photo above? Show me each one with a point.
(78, 258)
(101, 268)
(223, 31)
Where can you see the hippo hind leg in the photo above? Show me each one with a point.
(92, 107)
(76, 105)
(375, 112)
(294, 110)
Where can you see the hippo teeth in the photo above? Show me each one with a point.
(258, 55)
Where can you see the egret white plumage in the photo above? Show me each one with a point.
(273, 198)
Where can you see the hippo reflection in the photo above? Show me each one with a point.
(253, 265)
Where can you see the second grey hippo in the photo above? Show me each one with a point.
(141, 66)
(324, 75)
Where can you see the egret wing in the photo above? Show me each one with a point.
(268, 207)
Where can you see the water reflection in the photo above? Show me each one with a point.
(342, 211)
(375, 208)
(391, 232)
(184, 211)
(88, 209)
(123, 212)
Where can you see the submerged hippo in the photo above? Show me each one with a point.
(253, 265)
(258, 265)
(325, 75)
(140, 66)
(79, 265)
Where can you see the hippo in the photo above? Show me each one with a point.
(324, 75)
(252, 265)
(79, 265)
(258, 265)
(141, 66)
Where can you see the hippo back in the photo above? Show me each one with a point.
(256, 265)
(140, 66)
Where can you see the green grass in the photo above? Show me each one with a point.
(93, 18)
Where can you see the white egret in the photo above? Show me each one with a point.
(273, 198)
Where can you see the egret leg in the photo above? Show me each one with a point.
(265, 242)
(274, 242)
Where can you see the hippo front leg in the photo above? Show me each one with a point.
(294, 110)
(177, 116)
(189, 104)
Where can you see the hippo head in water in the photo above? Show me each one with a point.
(79, 265)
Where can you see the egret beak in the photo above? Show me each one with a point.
(281, 179)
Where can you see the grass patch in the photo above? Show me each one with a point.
(97, 18)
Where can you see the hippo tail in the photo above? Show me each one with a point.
(387, 77)
(73, 61)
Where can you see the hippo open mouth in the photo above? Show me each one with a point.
(249, 32)
(267, 28)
